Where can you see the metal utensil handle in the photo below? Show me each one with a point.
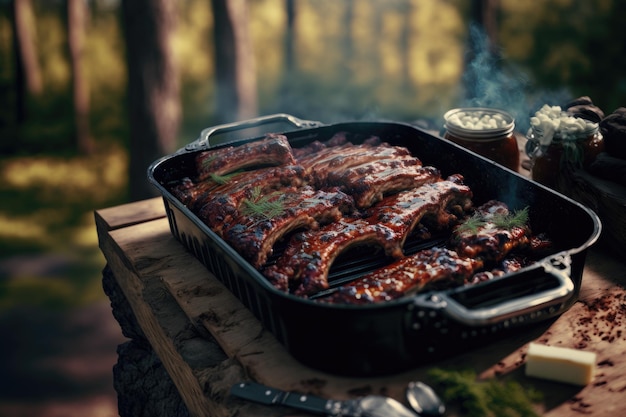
(558, 267)
(271, 396)
(203, 142)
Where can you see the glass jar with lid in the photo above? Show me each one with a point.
(486, 131)
(558, 143)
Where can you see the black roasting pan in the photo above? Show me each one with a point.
(389, 337)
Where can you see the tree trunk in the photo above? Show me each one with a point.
(290, 33)
(406, 9)
(347, 41)
(76, 25)
(235, 66)
(28, 73)
(153, 87)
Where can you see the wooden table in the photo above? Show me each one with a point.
(179, 307)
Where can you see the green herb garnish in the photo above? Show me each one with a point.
(262, 205)
(206, 162)
(509, 221)
(471, 225)
(222, 179)
(484, 398)
(518, 218)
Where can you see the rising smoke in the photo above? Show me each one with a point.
(490, 80)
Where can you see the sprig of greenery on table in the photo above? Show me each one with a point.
(484, 398)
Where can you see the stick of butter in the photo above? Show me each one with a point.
(571, 366)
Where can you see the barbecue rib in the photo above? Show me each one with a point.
(304, 266)
(492, 234)
(254, 232)
(440, 203)
(511, 263)
(338, 139)
(274, 150)
(335, 160)
(407, 275)
(217, 206)
(368, 183)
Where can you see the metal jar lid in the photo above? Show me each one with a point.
(470, 123)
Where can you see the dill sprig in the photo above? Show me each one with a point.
(518, 218)
(471, 225)
(485, 398)
(206, 162)
(222, 179)
(262, 205)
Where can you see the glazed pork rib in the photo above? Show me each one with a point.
(368, 183)
(303, 267)
(407, 275)
(254, 231)
(273, 150)
(486, 241)
(217, 204)
(441, 204)
(338, 139)
(492, 233)
(335, 160)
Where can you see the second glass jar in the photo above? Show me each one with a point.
(488, 132)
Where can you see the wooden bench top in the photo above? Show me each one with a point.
(142, 253)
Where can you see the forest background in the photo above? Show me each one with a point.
(407, 60)
(77, 133)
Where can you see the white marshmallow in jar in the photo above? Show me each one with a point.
(486, 131)
(559, 142)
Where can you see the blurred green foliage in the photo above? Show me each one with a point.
(400, 59)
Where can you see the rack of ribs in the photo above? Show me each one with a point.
(483, 253)
(407, 275)
(253, 233)
(217, 204)
(441, 204)
(303, 268)
(273, 150)
(338, 139)
(335, 160)
(368, 183)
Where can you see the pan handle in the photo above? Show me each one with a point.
(538, 292)
(204, 141)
